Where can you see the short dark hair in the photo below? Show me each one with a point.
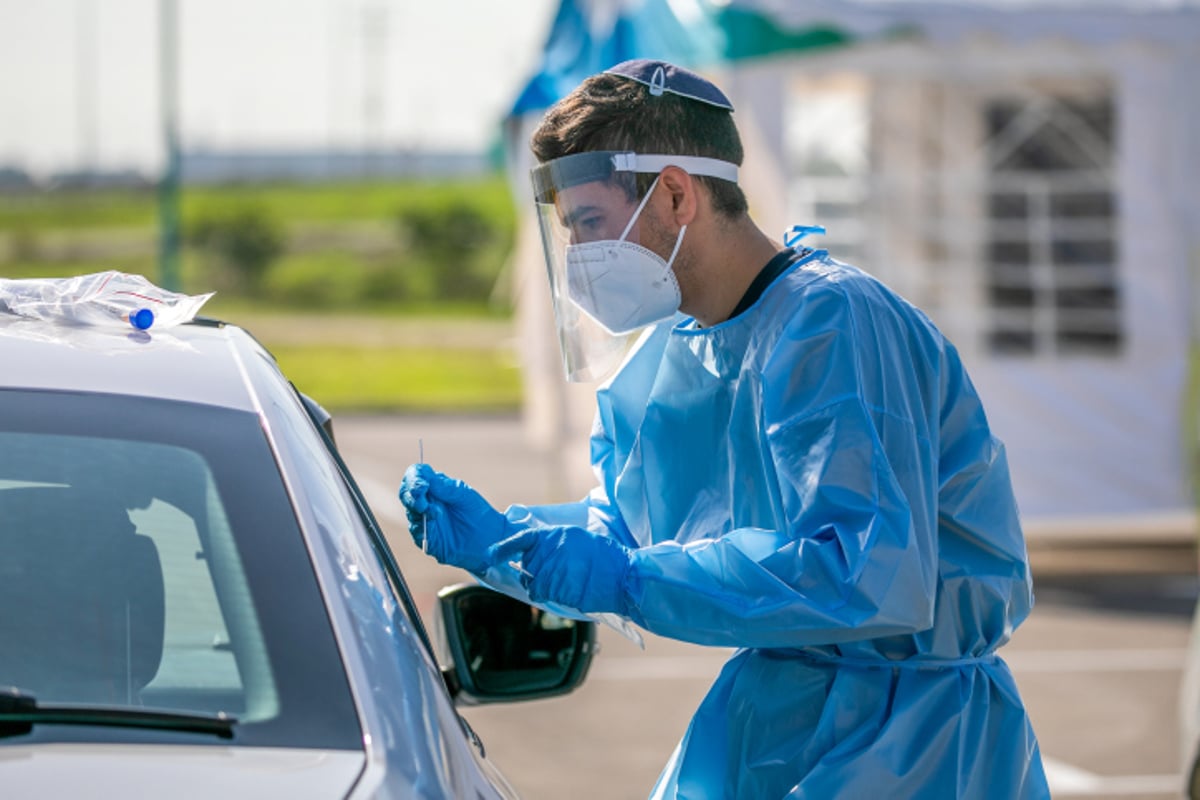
(612, 112)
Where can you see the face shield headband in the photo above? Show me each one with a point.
(605, 285)
(605, 165)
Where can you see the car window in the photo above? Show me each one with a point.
(152, 559)
(197, 650)
(127, 578)
(337, 507)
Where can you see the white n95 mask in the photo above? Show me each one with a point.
(605, 284)
(622, 285)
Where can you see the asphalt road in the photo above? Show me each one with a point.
(1098, 662)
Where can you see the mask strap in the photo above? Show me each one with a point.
(641, 205)
(678, 242)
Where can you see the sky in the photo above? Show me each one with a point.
(79, 78)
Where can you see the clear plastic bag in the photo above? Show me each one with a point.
(108, 299)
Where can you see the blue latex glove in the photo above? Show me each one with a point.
(450, 520)
(570, 566)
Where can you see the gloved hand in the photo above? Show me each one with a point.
(450, 520)
(570, 566)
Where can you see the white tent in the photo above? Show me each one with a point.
(1023, 172)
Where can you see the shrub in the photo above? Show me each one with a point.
(453, 243)
(24, 244)
(241, 243)
(316, 281)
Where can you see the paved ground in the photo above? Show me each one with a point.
(1098, 662)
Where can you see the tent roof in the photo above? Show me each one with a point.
(1096, 21)
(588, 36)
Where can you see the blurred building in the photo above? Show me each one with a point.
(1023, 172)
(264, 165)
(15, 180)
(210, 166)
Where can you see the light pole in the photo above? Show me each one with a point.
(168, 184)
(85, 87)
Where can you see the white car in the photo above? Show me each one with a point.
(1189, 713)
(197, 602)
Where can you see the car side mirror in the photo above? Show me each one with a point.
(501, 650)
(319, 415)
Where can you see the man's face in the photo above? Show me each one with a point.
(595, 211)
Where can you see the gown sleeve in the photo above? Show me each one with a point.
(849, 395)
(850, 563)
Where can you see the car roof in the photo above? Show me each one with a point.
(205, 361)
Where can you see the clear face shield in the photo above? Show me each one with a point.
(606, 282)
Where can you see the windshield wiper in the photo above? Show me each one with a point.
(20, 711)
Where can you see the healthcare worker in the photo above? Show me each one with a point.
(792, 461)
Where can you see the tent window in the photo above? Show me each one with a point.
(826, 137)
(1050, 251)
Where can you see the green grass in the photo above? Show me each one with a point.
(68, 269)
(357, 378)
(341, 202)
(44, 210)
(350, 350)
(390, 361)
(293, 203)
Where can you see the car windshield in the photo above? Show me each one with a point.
(152, 559)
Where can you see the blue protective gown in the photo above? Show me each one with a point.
(814, 482)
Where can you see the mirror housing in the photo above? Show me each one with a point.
(319, 415)
(497, 649)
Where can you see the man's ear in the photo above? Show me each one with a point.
(682, 189)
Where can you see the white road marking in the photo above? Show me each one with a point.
(1065, 779)
(1116, 660)
(1070, 781)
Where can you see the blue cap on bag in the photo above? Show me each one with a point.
(141, 319)
(663, 77)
